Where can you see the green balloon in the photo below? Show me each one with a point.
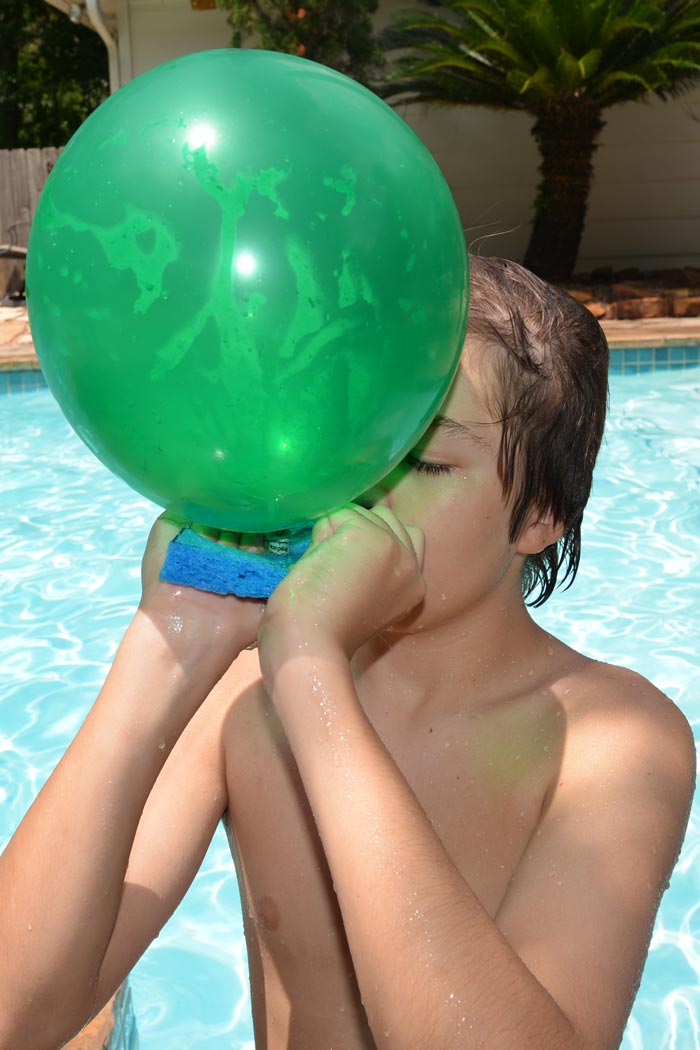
(247, 287)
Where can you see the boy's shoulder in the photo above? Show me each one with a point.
(592, 691)
(621, 726)
(580, 907)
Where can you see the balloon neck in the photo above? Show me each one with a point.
(279, 543)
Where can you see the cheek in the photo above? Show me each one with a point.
(466, 549)
(466, 545)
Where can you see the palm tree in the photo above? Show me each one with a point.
(563, 61)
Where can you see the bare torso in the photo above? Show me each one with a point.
(482, 779)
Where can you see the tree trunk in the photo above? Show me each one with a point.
(566, 134)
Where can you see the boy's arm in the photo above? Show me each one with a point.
(558, 968)
(580, 908)
(69, 929)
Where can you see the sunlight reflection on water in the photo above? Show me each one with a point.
(71, 536)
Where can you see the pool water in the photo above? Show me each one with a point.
(71, 537)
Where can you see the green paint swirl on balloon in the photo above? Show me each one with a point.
(345, 186)
(125, 248)
(221, 308)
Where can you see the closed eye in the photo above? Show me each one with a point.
(423, 467)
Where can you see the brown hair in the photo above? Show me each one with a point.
(550, 393)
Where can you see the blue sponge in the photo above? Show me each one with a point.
(195, 561)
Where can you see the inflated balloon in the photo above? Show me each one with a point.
(247, 287)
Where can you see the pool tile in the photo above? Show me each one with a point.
(19, 382)
(625, 360)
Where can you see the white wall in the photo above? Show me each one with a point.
(153, 31)
(645, 203)
(644, 208)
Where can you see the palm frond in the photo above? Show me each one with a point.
(598, 51)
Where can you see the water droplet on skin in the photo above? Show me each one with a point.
(161, 745)
(29, 925)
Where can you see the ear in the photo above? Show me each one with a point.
(540, 533)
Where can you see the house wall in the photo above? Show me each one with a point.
(645, 203)
(153, 31)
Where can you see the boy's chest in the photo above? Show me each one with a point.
(481, 782)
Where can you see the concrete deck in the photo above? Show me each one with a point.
(17, 350)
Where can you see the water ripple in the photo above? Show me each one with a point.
(71, 538)
(636, 602)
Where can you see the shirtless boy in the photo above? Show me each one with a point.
(451, 830)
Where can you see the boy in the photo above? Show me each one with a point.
(450, 829)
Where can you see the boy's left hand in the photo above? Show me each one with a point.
(361, 574)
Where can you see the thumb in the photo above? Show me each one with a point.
(417, 538)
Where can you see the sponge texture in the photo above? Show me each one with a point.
(195, 561)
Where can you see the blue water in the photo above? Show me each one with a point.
(71, 537)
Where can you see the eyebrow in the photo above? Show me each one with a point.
(455, 429)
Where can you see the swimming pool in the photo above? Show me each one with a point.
(71, 537)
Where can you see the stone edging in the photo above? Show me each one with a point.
(17, 350)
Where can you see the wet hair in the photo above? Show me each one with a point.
(548, 362)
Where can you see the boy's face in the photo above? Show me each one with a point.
(449, 486)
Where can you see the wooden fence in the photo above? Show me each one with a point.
(23, 173)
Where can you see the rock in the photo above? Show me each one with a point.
(629, 291)
(600, 310)
(670, 278)
(637, 309)
(14, 331)
(579, 295)
(688, 306)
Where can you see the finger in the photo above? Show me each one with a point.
(251, 541)
(334, 520)
(172, 518)
(417, 538)
(206, 530)
(350, 514)
(165, 528)
(395, 524)
(229, 539)
(322, 530)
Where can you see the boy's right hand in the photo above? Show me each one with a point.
(361, 575)
(196, 623)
